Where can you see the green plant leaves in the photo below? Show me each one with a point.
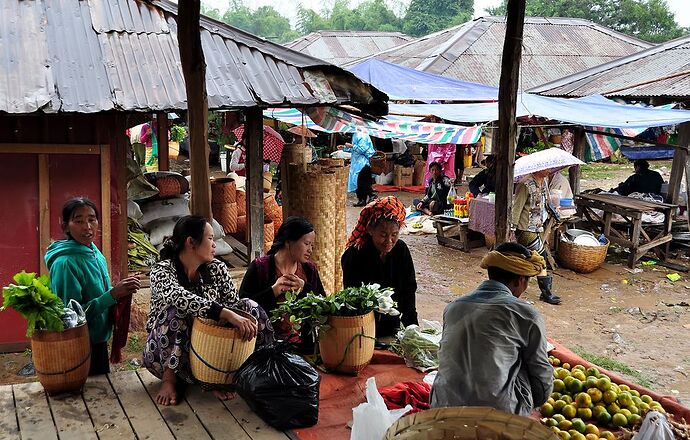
(32, 298)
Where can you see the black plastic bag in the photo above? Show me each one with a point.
(281, 387)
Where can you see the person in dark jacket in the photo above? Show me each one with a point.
(435, 201)
(365, 192)
(374, 254)
(485, 181)
(643, 180)
(286, 267)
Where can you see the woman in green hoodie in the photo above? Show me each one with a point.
(78, 271)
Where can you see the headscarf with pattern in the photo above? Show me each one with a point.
(387, 207)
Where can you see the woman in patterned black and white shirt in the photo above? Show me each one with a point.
(190, 282)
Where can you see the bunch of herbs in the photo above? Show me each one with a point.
(32, 298)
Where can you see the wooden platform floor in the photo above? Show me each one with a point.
(121, 406)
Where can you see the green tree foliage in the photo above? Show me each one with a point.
(369, 15)
(649, 20)
(427, 16)
(265, 22)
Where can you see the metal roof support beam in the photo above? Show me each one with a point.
(194, 71)
(507, 125)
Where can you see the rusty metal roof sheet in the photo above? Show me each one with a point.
(660, 71)
(341, 47)
(553, 47)
(98, 55)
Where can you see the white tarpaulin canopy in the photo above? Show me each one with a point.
(589, 111)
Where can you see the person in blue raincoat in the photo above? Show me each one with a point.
(362, 149)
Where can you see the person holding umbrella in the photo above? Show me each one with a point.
(531, 206)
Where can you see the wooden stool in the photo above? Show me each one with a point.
(451, 232)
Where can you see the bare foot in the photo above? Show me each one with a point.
(167, 395)
(223, 395)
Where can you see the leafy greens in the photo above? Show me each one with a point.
(32, 298)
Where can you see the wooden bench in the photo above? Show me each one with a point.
(455, 233)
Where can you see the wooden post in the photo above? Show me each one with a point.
(163, 147)
(255, 182)
(507, 126)
(574, 173)
(194, 71)
(680, 157)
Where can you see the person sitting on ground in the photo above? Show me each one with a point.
(189, 282)
(644, 181)
(435, 201)
(485, 181)
(365, 192)
(493, 348)
(374, 254)
(286, 267)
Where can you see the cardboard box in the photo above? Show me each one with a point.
(403, 176)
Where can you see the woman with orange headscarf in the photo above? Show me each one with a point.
(374, 254)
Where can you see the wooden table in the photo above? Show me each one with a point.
(121, 406)
(455, 233)
(637, 236)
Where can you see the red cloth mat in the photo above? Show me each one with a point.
(393, 188)
(415, 394)
(339, 394)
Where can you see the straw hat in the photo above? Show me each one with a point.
(239, 180)
(301, 130)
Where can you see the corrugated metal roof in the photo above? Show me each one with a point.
(341, 47)
(98, 55)
(633, 76)
(552, 48)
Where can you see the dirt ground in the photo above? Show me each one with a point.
(641, 320)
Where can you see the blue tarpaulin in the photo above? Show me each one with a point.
(400, 83)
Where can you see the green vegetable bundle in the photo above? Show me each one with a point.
(314, 309)
(140, 252)
(419, 345)
(32, 298)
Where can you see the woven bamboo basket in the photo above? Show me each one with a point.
(269, 234)
(341, 173)
(241, 200)
(313, 196)
(62, 359)
(273, 211)
(226, 214)
(168, 187)
(223, 190)
(467, 423)
(581, 259)
(217, 351)
(377, 162)
(348, 345)
(268, 181)
(241, 233)
(296, 154)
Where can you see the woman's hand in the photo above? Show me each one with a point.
(245, 326)
(125, 288)
(285, 283)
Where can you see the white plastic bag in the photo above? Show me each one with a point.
(420, 345)
(654, 427)
(371, 419)
(74, 315)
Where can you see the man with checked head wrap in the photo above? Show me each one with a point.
(493, 348)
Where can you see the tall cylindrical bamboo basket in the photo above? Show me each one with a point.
(241, 200)
(347, 345)
(226, 214)
(467, 423)
(273, 211)
(241, 233)
(269, 234)
(216, 351)
(223, 191)
(62, 359)
(342, 172)
(292, 153)
(312, 197)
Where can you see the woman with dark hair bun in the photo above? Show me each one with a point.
(187, 283)
(78, 271)
(286, 267)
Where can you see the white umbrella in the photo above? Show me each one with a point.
(552, 159)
